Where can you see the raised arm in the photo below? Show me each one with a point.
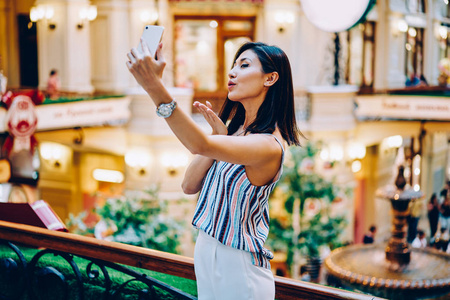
(258, 152)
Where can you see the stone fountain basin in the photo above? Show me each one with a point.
(365, 268)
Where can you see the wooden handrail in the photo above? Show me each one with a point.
(152, 260)
(100, 249)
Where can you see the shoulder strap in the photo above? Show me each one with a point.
(282, 148)
(280, 171)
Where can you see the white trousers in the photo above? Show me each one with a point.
(227, 273)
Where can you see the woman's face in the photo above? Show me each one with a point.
(246, 78)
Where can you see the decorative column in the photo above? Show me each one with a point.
(4, 8)
(394, 45)
(112, 35)
(9, 53)
(285, 25)
(62, 45)
(435, 16)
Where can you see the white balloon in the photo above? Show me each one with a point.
(335, 15)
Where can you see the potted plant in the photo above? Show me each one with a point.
(137, 218)
(306, 225)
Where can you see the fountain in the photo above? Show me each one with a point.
(394, 271)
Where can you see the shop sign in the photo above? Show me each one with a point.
(403, 108)
(79, 114)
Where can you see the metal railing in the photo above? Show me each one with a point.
(102, 254)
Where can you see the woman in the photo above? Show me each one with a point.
(235, 168)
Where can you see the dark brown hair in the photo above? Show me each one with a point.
(278, 106)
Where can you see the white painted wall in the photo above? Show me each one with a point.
(65, 48)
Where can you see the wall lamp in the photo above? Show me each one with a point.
(441, 31)
(283, 19)
(174, 162)
(43, 12)
(394, 141)
(332, 153)
(352, 155)
(86, 14)
(53, 154)
(356, 152)
(138, 160)
(149, 16)
(399, 26)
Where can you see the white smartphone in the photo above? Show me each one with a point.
(152, 35)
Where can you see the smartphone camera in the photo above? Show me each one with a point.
(146, 27)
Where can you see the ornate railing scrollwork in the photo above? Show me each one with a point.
(42, 280)
(13, 271)
(102, 255)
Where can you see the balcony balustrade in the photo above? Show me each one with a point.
(102, 254)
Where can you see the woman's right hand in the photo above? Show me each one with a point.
(218, 128)
(146, 69)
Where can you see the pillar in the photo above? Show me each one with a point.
(9, 61)
(65, 47)
(112, 36)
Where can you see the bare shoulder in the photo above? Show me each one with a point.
(272, 143)
(264, 172)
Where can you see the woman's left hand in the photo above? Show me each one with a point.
(210, 116)
(147, 70)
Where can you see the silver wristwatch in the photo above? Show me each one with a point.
(165, 110)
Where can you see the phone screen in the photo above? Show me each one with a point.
(152, 35)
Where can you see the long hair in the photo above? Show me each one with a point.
(278, 106)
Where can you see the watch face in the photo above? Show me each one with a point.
(165, 110)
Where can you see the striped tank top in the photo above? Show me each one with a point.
(234, 211)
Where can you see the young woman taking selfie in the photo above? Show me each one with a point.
(235, 167)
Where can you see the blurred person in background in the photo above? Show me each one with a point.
(416, 208)
(369, 238)
(421, 240)
(445, 212)
(53, 85)
(433, 214)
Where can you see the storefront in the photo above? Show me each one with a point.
(200, 38)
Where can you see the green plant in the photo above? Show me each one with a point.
(306, 221)
(321, 231)
(138, 218)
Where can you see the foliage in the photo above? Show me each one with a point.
(319, 226)
(444, 70)
(444, 66)
(300, 181)
(138, 218)
(94, 287)
(322, 230)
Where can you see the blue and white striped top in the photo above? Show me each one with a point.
(234, 211)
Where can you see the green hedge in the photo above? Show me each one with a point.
(12, 283)
(63, 99)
